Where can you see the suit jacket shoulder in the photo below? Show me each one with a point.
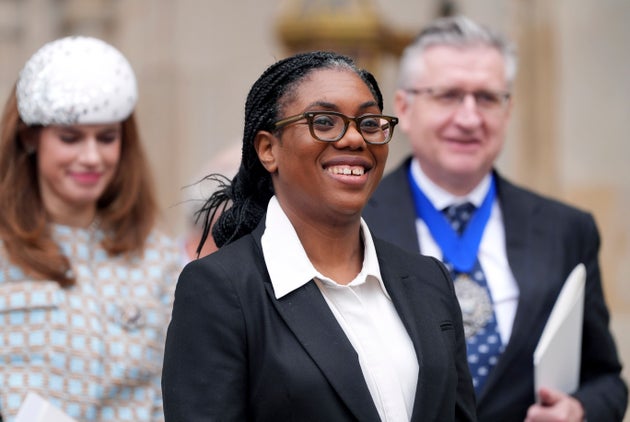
(390, 213)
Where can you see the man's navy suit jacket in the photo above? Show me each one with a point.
(545, 240)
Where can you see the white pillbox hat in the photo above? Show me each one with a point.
(76, 80)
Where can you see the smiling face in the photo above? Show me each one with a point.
(456, 146)
(75, 164)
(324, 181)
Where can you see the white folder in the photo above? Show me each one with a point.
(558, 353)
(35, 408)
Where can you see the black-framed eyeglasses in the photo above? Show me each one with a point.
(485, 100)
(331, 126)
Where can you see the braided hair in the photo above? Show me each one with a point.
(242, 202)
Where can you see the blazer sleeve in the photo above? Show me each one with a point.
(204, 374)
(602, 391)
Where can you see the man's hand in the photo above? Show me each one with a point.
(555, 406)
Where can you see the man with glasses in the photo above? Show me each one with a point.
(509, 250)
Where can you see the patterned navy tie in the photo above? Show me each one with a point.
(484, 346)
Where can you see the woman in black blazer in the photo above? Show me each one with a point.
(301, 315)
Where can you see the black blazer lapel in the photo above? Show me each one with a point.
(308, 316)
(395, 284)
(312, 322)
(393, 198)
(528, 256)
(415, 314)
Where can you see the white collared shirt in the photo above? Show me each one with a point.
(492, 251)
(363, 309)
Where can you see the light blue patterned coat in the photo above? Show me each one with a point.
(94, 349)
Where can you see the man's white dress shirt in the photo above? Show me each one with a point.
(492, 252)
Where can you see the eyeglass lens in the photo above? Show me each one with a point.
(485, 100)
(332, 127)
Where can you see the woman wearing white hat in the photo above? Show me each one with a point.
(85, 276)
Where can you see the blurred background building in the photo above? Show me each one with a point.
(196, 59)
